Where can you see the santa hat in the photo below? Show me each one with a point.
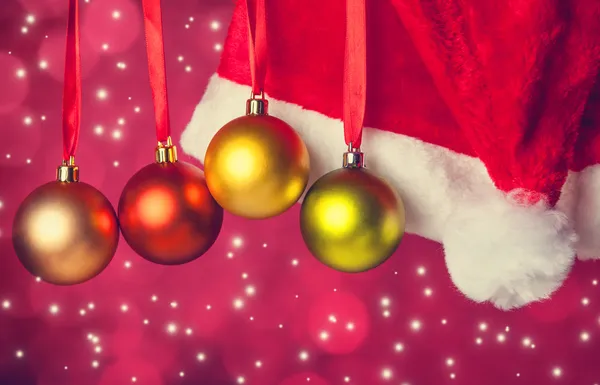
(480, 113)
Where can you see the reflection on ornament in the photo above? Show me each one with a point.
(256, 165)
(166, 212)
(351, 220)
(66, 231)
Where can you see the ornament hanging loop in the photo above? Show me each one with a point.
(68, 172)
(353, 158)
(257, 104)
(166, 153)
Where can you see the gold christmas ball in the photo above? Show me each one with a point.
(256, 166)
(65, 233)
(167, 214)
(352, 220)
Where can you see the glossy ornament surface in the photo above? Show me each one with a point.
(257, 166)
(167, 214)
(351, 220)
(65, 233)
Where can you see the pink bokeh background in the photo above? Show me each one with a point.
(257, 308)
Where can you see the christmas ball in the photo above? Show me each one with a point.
(351, 220)
(65, 233)
(256, 166)
(167, 214)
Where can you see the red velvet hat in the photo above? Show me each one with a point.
(482, 114)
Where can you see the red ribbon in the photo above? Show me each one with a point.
(71, 114)
(257, 44)
(355, 72)
(155, 51)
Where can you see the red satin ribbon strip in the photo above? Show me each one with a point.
(355, 72)
(155, 51)
(257, 43)
(71, 113)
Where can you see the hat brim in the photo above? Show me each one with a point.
(434, 182)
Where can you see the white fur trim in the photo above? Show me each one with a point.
(433, 181)
(429, 178)
(509, 254)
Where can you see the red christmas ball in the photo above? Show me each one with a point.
(167, 214)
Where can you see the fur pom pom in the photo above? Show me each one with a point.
(506, 252)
